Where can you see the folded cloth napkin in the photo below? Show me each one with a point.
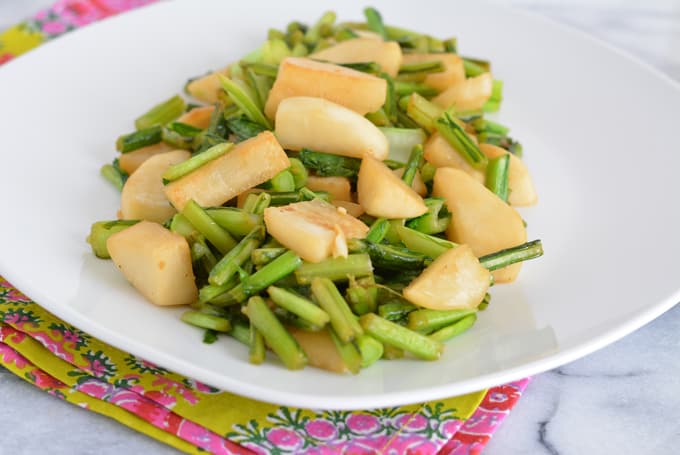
(184, 413)
(191, 416)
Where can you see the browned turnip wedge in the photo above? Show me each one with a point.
(480, 218)
(320, 349)
(323, 126)
(454, 71)
(248, 164)
(143, 197)
(207, 88)
(360, 92)
(198, 116)
(338, 187)
(155, 261)
(383, 194)
(455, 280)
(314, 230)
(440, 153)
(522, 191)
(130, 161)
(467, 95)
(417, 185)
(387, 54)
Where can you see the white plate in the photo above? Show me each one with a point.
(599, 132)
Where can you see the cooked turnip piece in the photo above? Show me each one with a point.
(480, 218)
(156, 261)
(455, 280)
(248, 164)
(521, 186)
(142, 197)
(440, 153)
(387, 54)
(207, 88)
(360, 92)
(198, 116)
(337, 187)
(130, 161)
(321, 125)
(351, 208)
(453, 73)
(320, 349)
(417, 185)
(382, 194)
(313, 229)
(467, 95)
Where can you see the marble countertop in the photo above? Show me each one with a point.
(623, 399)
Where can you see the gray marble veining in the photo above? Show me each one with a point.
(624, 399)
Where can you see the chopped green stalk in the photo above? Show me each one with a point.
(348, 353)
(100, 233)
(404, 88)
(341, 318)
(209, 336)
(435, 45)
(423, 243)
(389, 257)
(179, 170)
(433, 66)
(344, 34)
(206, 321)
(272, 33)
(313, 33)
(392, 237)
(379, 118)
(390, 333)
(402, 140)
(509, 256)
(485, 303)
(303, 194)
(362, 299)
(375, 22)
(279, 268)
(244, 128)
(404, 121)
(336, 269)
(176, 140)
(390, 105)
(237, 221)
(261, 86)
(114, 174)
(299, 172)
(392, 352)
(426, 320)
(451, 45)
(325, 164)
(436, 219)
(454, 329)
(505, 142)
(257, 349)
(427, 172)
(274, 51)
(299, 50)
(162, 113)
(138, 139)
(240, 331)
(497, 176)
(397, 33)
(423, 112)
(474, 67)
(236, 257)
(256, 203)
(275, 334)
(370, 349)
(364, 67)
(244, 102)
(212, 292)
(392, 164)
(481, 124)
(378, 230)
(263, 69)
(283, 181)
(300, 306)
(219, 237)
(262, 256)
(395, 310)
(460, 141)
(493, 104)
(412, 165)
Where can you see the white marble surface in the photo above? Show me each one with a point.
(624, 399)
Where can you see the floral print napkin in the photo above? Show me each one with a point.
(186, 414)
